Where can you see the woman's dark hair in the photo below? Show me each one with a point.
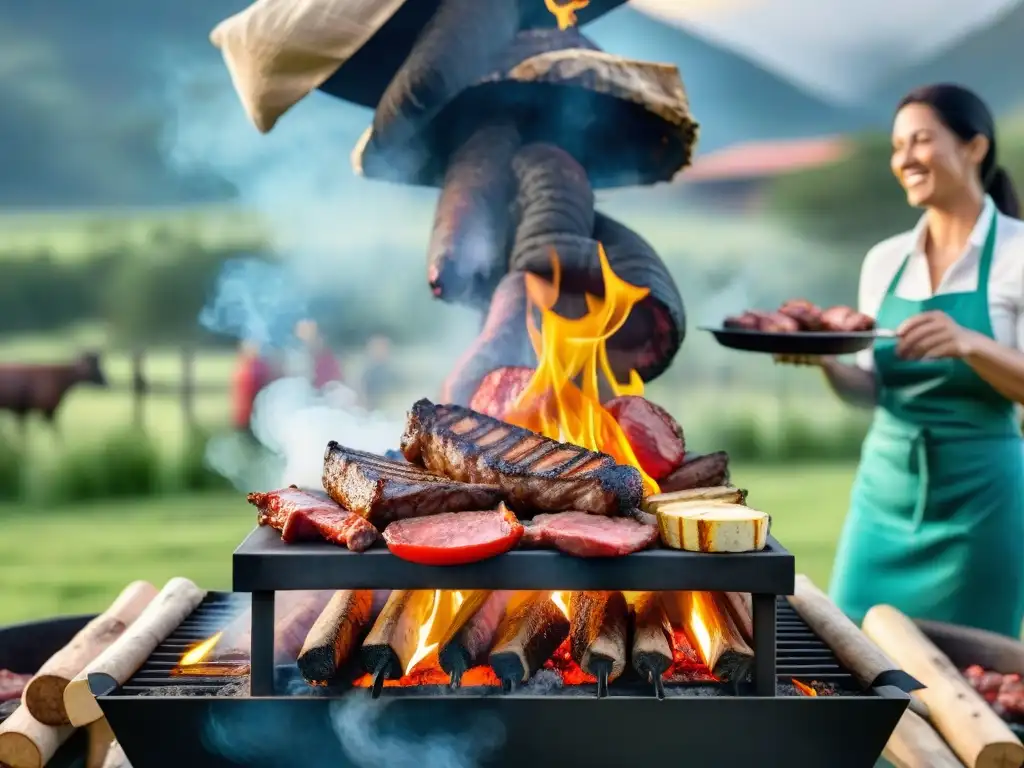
(966, 115)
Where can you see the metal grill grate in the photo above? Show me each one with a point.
(216, 611)
(800, 654)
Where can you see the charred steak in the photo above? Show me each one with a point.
(382, 490)
(583, 535)
(302, 516)
(535, 472)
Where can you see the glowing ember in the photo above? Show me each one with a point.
(805, 689)
(562, 400)
(687, 666)
(199, 652)
(566, 14)
(211, 669)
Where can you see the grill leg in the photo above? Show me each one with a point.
(261, 653)
(764, 644)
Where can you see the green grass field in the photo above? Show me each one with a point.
(76, 559)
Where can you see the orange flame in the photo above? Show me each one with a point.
(570, 351)
(432, 630)
(560, 600)
(199, 652)
(805, 689)
(566, 14)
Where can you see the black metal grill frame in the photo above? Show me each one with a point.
(263, 564)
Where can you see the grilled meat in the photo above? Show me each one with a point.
(769, 322)
(303, 516)
(382, 490)
(846, 319)
(535, 472)
(807, 314)
(583, 535)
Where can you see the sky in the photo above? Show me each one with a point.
(854, 43)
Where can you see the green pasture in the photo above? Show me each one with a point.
(75, 559)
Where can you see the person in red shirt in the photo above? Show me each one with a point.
(252, 373)
(318, 362)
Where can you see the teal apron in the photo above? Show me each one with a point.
(936, 524)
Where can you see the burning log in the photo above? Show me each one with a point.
(527, 637)
(390, 648)
(915, 744)
(470, 633)
(598, 626)
(741, 610)
(335, 634)
(124, 656)
(27, 743)
(44, 694)
(652, 639)
(294, 614)
(472, 223)
(708, 625)
(972, 729)
(869, 665)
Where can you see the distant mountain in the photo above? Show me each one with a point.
(732, 97)
(987, 60)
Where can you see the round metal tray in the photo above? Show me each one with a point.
(804, 343)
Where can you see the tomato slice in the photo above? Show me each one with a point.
(454, 538)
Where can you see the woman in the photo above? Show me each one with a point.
(936, 524)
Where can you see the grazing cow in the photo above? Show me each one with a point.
(26, 387)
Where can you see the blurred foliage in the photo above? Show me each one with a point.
(857, 201)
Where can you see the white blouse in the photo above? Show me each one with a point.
(1006, 278)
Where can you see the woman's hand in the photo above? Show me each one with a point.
(932, 336)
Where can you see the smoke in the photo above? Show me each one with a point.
(726, 294)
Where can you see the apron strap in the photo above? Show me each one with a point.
(987, 254)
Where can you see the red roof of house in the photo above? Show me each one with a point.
(766, 158)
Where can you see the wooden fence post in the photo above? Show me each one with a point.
(188, 385)
(138, 389)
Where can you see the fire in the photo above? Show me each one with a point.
(566, 14)
(805, 689)
(562, 400)
(559, 599)
(445, 605)
(199, 652)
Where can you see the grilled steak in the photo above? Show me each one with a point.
(535, 472)
(583, 535)
(382, 490)
(845, 319)
(302, 516)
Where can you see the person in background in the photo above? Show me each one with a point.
(379, 375)
(314, 360)
(936, 523)
(253, 371)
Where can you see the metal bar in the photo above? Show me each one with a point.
(261, 653)
(764, 643)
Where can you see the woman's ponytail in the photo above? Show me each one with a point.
(1004, 194)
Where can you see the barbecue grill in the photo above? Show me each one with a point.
(216, 720)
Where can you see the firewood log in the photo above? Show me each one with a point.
(392, 642)
(100, 740)
(44, 694)
(27, 743)
(915, 744)
(708, 625)
(976, 734)
(854, 650)
(527, 637)
(335, 634)
(116, 758)
(741, 610)
(652, 637)
(598, 624)
(468, 251)
(294, 614)
(472, 631)
(128, 653)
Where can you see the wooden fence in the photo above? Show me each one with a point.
(186, 389)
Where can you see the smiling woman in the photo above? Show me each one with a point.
(937, 510)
